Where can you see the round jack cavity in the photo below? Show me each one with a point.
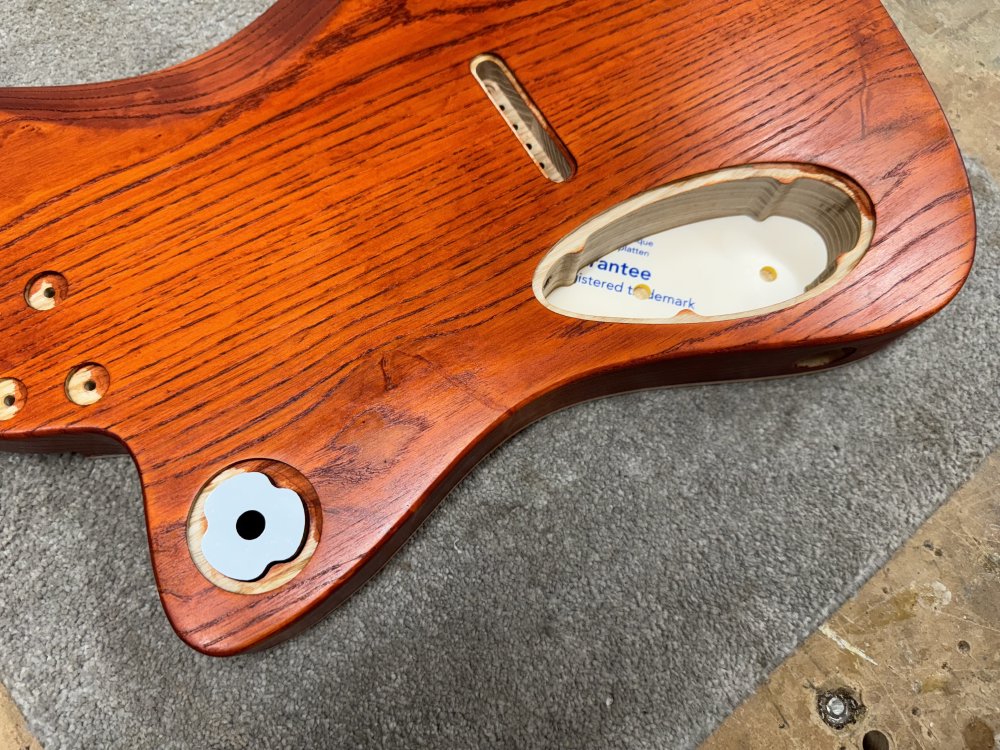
(251, 525)
(254, 526)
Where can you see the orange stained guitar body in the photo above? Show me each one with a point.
(310, 251)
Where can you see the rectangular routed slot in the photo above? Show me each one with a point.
(523, 118)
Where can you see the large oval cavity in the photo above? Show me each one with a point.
(733, 243)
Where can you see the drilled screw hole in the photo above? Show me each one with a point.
(12, 398)
(250, 525)
(46, 290)
(875, 740)
(87, 384)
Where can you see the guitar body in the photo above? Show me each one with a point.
(310, 252)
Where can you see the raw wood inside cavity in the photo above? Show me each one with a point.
(833, 213)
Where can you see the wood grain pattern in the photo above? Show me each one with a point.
(315, 245)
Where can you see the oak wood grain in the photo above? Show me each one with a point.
(315, 245)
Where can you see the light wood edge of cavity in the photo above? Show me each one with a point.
(786, 174)
(15, 388)
(277, 575)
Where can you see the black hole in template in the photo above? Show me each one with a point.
(9, 400)
(50, 292)
(90, 385)
(250, 525)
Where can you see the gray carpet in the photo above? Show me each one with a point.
(620, 575)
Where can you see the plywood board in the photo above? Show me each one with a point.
(918, 646)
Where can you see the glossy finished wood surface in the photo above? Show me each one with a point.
(315, 245)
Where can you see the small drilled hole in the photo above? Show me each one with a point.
(12, 398)
(542, 165)
(963, 646)
(875, 740)
(529, 146)
(503, 108)
(250, 525)
(46, 290)
(87, 384)
(516, 126)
